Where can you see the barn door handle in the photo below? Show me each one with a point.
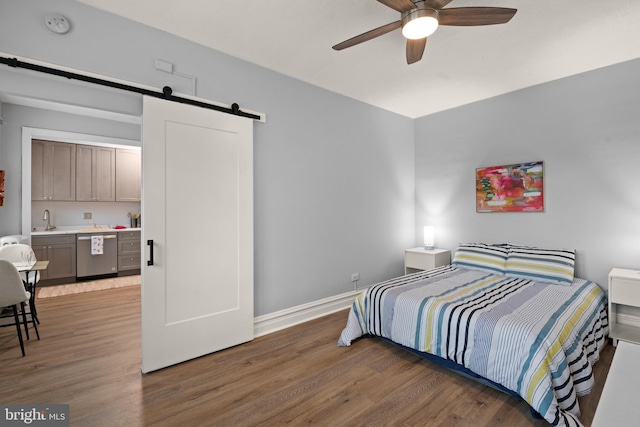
(150, 243)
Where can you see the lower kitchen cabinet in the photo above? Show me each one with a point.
(129, 250)
(60, 251)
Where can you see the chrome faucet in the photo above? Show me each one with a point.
(47, 217)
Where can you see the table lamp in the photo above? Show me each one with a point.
(429, 237)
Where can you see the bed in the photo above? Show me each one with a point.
(513, 315)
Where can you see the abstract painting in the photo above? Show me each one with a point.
(2, 174)
(510, 188)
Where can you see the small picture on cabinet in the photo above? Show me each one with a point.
(2, 173)
(510, 188)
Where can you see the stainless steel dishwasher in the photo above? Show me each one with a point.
(89, 264)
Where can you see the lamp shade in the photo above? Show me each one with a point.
(429, 237)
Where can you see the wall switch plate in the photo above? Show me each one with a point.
(355, 277)
(87, 215)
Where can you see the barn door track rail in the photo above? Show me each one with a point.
(167, 92)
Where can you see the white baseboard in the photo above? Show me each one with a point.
(268, 323)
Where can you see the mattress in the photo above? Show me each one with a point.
(537, 339)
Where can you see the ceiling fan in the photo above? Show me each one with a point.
(421, 18)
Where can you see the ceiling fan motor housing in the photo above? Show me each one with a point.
(422, 10)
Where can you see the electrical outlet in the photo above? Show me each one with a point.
(355, 277)
(87, 215)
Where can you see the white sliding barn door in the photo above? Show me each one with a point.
(197, 208)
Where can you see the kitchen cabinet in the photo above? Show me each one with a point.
(95, 174)
(129, 252)
(60, 251)
(128, 168)
(53, 171)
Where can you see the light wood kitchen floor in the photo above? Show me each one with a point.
(89, 357)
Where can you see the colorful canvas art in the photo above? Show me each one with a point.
(2, 173)
(510, 188)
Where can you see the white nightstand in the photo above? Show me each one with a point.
(418, 259)
(624, 289)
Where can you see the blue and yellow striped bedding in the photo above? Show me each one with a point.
(538, 339)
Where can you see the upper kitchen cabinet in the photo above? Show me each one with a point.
(127, 175)
(53, 171)
(95, 174)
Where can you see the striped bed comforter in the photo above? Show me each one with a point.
(537, 339)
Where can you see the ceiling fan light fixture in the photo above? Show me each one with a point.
(419, 23)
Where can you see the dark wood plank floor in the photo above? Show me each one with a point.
(89, 358)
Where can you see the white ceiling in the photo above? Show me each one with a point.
(546, 40)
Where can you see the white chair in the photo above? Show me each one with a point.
(12, 294)
(19, 253)
(13, 240)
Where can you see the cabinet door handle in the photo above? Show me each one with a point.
(150, 243)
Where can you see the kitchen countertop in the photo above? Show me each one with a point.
(78, 229)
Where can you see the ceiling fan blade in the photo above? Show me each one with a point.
(468, 16)
(415, 49)
(368, 35)
(399, 5)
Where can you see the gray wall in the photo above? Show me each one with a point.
(585, 128)
(333, 179)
